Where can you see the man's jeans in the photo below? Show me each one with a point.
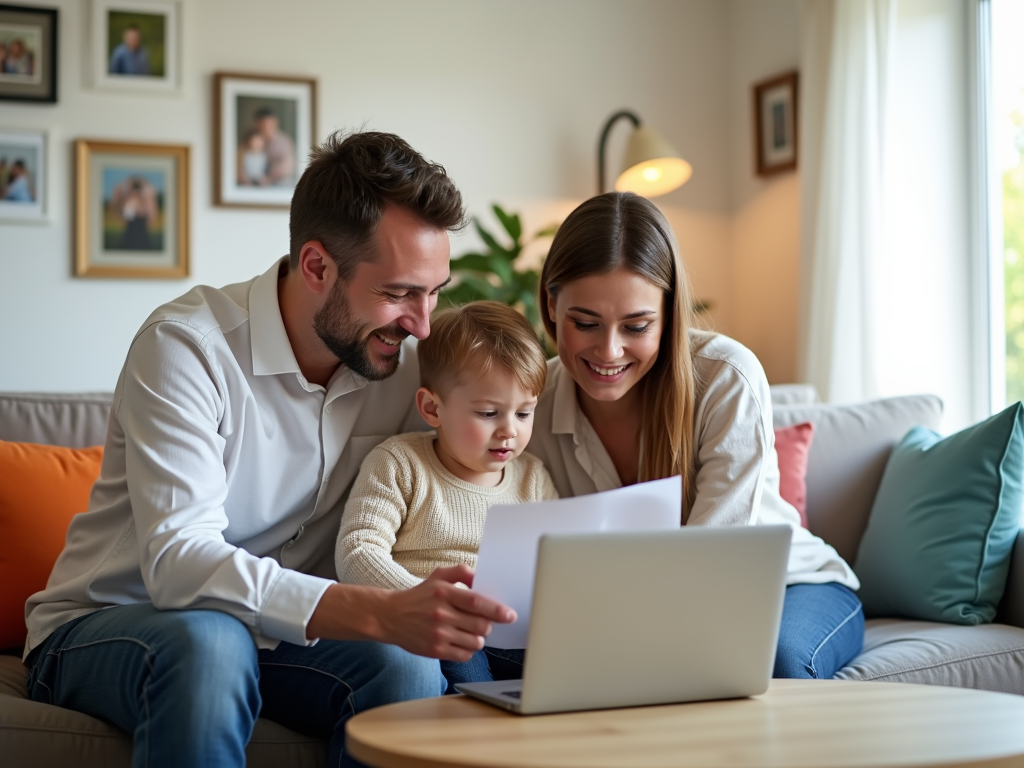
(822, 629)
(189, 685)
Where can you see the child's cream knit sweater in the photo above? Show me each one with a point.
(408, 515)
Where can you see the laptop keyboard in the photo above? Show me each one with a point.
(513, 694)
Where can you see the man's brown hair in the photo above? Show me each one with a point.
(473, 338)
(349, 181)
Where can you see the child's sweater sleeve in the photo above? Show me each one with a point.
(376, 508)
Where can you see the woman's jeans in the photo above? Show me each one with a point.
(189, 685)
(822, 630)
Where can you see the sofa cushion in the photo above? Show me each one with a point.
(44, 487)
(793, 446)
(988, 657)
(40, 734)
(938, 542)
(72, 420)
(845, 464)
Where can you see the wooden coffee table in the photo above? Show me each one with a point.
(797, 723)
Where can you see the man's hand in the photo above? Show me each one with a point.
(435, 618)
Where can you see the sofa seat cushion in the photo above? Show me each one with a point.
(39, 734)
(989, 657)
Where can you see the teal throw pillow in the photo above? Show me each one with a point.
(938, 542)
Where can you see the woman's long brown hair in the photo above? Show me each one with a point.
(621, 229)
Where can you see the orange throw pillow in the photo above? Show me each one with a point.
(41, 488)
(793, 444)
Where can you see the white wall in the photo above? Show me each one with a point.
(764, 40)
(510, 97)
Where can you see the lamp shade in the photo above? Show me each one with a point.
(651, 166)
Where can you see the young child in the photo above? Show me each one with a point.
(253, 162)
(420, 499)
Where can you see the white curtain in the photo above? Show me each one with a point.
(845, 67)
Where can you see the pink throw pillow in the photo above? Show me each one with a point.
(793, 444)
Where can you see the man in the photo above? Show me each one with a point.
(239, 421)
(278, 147)
(130, 58)
(19, 188)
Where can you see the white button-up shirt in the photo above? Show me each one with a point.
(737, 480)
(225, 471)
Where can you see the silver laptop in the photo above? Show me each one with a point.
(641, 618)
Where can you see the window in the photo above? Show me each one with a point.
(1007, 158)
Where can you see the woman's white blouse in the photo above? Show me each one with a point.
(737, 479)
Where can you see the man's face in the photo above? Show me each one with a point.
(267, 126)
(132, 38)
(364, 321)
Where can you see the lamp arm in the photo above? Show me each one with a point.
(632, 117)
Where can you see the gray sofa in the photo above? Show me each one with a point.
(848, 455)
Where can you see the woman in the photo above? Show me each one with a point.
(636, 394)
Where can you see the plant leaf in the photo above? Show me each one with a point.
(510, 222)
(489, 240)
(471, 262)
(548, 231)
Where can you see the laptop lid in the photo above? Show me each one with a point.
(641, 618)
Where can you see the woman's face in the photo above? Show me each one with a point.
(609, 328)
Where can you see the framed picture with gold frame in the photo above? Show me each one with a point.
(131, 209)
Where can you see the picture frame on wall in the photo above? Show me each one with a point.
(131, 209)
(263, 129)
(776, 132)
(28, 53)
(22, 176)
(135, 45)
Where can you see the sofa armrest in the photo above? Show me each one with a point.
(1011, 608)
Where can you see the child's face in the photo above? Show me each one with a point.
(482, 425)
(255, 143)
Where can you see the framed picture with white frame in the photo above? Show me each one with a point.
(264, 126)
(136, 45)
(22, 176)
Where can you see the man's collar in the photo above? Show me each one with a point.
(564, 418)
(271, 351)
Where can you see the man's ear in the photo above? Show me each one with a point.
(426, 404)
(317, 268)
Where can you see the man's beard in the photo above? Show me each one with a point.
(350, 342)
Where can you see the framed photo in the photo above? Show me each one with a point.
(263, 128)
(775, 124)
(135, 44)
(22, 175)
(28, 53)
(131, 209)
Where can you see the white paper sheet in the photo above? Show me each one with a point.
(508, 550)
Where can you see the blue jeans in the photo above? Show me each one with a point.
(822, 629)
(475, 670)
(189, 685)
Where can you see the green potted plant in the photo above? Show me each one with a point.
(493, 272)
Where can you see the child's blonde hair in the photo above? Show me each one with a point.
(471, 339)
